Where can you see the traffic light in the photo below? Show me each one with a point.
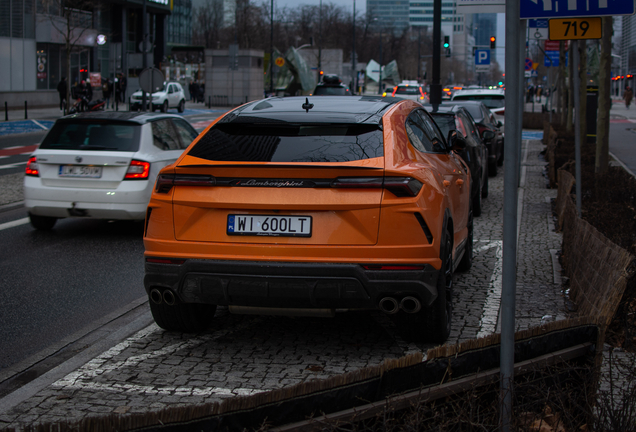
(493, 42)
(446, 42)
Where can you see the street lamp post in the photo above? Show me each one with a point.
(271, 50)
(353, 51)
(380, 80)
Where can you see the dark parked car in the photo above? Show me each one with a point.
(485, 120)
(331, 85)
(457, 118)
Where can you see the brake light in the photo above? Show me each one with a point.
(403, 186)
(500, 112)
(392, 267)
(166, 181)
(138, 170)
(394, 90)
(32, 167)
(421, 93)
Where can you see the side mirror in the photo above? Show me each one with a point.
(499, 123)
(487, 135)
(456, 141)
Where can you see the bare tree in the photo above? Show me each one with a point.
(208, 24)
(73, 21)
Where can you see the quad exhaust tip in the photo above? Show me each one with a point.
(155, 296)
(389, 305)
(410, 305)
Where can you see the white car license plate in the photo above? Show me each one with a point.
(80, 171)
(277, 226)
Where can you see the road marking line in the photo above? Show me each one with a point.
(40, 124)
(490, 314)
(15, 223)
(15, 165)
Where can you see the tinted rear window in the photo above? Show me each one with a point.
(93, 135)
(491, 101)
(331, 91)
(306, 143)
(474, 111)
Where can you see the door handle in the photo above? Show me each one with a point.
(460, 182)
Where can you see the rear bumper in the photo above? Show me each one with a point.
(289, 285)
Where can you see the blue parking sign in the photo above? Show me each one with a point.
(482, 57)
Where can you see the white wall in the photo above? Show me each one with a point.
(17, 64)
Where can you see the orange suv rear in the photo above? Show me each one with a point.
(308, 207)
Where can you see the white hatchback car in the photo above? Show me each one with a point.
(171, 96)
(409, 90)
(101, 165)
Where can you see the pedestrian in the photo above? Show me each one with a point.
(62, 88)
(628, 95)
(122, 87)
(106, 91)
(89, 91)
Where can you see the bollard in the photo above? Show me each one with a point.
(6, 112)
(26, 117)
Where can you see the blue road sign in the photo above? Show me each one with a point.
(574, 8)
(482, 57)
(538, 23)
(554, 55)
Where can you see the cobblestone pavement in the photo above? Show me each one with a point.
(243, 355)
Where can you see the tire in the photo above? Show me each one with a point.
(467, 260)
(484, 189)
(181, 107)
(164, 106)
(477, 203)
(43, 223)
(433, 324)
(492, 167)
(183, 317)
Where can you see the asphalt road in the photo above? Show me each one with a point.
(55, 283)
(623, 143)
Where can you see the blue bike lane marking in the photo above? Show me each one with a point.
(24, 126)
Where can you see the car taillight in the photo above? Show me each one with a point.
(398, 186)
(138, 170)
(166, 181)
(403, 186)
(394, 90)
(500, 112)
(32, 167)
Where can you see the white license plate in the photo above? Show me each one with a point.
(276, 226)
(80, 171)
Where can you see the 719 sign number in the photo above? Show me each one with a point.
(575, 28)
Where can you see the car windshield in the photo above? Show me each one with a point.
(294, 143)
(474, 110)
(491, 101)
(331, 91)
(93, 135)
(445, 122)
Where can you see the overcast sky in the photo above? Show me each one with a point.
(361, 5)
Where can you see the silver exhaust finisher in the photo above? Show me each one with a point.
(155, 296)
(410, 305)
(389, 305)
(169, 298)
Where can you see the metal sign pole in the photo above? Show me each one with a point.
(577, 122)
(514, 103)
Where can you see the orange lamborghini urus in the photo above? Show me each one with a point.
(308, 207)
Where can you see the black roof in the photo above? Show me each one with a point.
(127, 116)
(321, 109)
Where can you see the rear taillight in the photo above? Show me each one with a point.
(166, 181)
(398, 186)
(394, 90)
(403, 186)
(500, 112)
(32, 167)
(357, 182)
(138, 170)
